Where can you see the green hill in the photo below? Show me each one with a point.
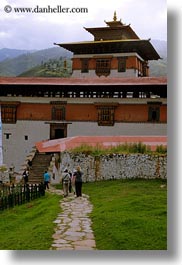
(23, 63)
(158, 68)
(51, 68)
(6, 53)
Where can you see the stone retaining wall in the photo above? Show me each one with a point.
(117, 166)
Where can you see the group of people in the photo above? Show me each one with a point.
(72, 181)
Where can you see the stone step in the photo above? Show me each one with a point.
(40, 163)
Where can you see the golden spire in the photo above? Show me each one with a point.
(115, 17)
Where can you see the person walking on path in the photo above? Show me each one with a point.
(65, 181)
(70, 183)
(78, 181)
(73, 181)
(46, 180)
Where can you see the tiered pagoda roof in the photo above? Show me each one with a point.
(115, 30)
(116, 37)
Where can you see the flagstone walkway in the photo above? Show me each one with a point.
(73, 230)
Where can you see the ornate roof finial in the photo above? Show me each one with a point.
(115, 17)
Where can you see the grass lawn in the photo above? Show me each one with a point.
(129, 214)
(29, 226)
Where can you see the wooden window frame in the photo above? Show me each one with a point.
(106, 114)
(145, 68)
(154, 111)
(103, 66)
(58, 113)
(84, 65)
(122, 64)
(9, 113)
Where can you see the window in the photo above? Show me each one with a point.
(145, 68)
(58, 113)
(122, 64)
(7, 135)
(84, 68)
(154, 112)
(103, 67)
(106, 114)
(8, 113)
(26, 137)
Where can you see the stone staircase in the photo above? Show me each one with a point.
(40, 163)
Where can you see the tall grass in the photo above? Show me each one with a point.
(161, 149)
(126, 148)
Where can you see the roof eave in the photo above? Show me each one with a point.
(76, 46)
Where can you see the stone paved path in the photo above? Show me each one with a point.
(73, 230)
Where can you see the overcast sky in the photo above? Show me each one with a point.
(148, 18)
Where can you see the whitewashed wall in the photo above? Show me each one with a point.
(92, 128)
(16, 148)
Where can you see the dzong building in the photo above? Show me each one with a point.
(110, 93)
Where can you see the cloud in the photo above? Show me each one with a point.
(41, 30)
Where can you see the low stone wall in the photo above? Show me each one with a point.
(117, 166)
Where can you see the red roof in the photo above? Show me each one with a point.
(60, 145)
(83, 81)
